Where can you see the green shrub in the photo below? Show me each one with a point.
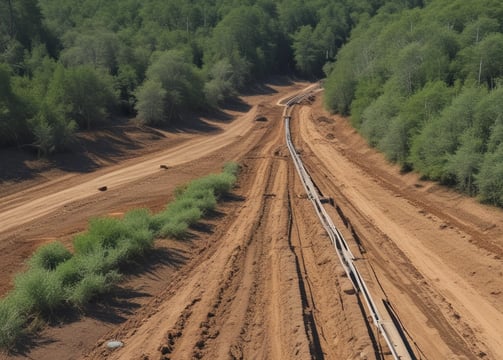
(190, 216)
(69, 272)
(99, 261)
(85, 243)
(219, 183)
(137, 244)
(204, 200)
(56, 277)
(11, 322)
(231, 168)
(49, 256)
(158, 220)
(177, 230)
(138, 218)
(107, 230)
(91, 286)
(181, 204)
(102, 233)
(39, 291)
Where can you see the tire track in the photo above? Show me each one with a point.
(308, 303)
(392, 264)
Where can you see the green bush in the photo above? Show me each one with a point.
(138, 218)
(102, 233)
(137, 244)
(91, 286)
(11, 322)
(220, 183)
(39, 291)
(177, 230)
(56, 277)
(203, 199)
(190, 216)
(107, 230)
(231, 168)
(49, 256)
(85, 243)
(69, 272)
(99, 261)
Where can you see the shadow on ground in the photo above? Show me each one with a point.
(119, 139)
(123, 301)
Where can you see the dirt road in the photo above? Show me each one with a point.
(262, 279)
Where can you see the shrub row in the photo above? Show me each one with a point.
(57, 278)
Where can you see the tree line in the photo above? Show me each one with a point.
(67, 65)
(424, 85)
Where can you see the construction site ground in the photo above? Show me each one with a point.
(259, 279)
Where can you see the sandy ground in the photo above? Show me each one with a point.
(260, 279)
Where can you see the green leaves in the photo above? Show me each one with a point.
(308, 53)
(423, 86)
(173, 84)
(151, 102)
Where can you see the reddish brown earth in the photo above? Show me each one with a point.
(260, 279)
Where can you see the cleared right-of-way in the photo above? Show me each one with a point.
(391, 330)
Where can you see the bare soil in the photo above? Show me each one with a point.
(259, 278)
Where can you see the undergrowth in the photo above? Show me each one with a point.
(57, 278)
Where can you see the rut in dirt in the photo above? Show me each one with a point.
(306, 295)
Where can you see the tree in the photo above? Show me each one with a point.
(179, 78)
(377, 116)
(151, 102)
(465, 163)
(483, 62)
(441, 135)
(496, 137)
(223, 83)
(490, 178)
(246, 32)
(308, 53)
(87, 95)
(487, 113)
(416, 111)
(97, 47)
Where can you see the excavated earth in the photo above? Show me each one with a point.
(260, 279)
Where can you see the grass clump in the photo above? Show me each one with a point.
(11, 322)
(57, 278)
(193, 201)
(38, 291)
(174, 229)
(91, 286)
(231, 168)
(103, 233)
(49, 256)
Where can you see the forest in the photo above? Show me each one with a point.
(420, 79)
(424, 86)
(69, 65)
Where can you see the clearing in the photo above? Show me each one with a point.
(260, 279)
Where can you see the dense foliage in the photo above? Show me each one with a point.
(67, 65)
(423, 85)
(420, 78)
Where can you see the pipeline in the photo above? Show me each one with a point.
(396, 344)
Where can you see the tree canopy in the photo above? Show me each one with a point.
(421, 79)
(67, 65)
(424, 85)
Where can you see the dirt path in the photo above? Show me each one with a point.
(438, 267)
(261, 280)
(261, 293)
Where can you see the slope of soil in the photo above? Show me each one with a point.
(436, 252)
